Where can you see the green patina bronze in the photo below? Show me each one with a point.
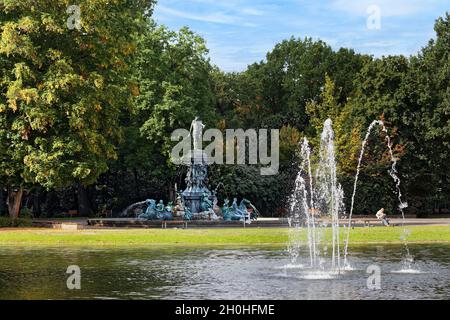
(197, 202)
(241, 212)
(156, 212)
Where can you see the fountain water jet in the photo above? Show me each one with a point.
(140, 204)
(329, 198)
(393, 173)
(325, 200)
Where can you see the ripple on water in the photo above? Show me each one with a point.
(291, 266)
(349, 267)
(408, 271)
(220, 273)
(318, 275)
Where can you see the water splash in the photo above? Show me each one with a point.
(310, 210)
(319, 275)
(329, 194)
(133, 206)
(299, 210)
(394, 174)
(325, 201)
(408, 271)
(291, 266)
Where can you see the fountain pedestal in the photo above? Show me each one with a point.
(196, 181)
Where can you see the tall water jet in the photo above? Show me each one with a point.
(312, 235)
(323, 199)
(301, 208)
(329, 195)
(298, 209)
(308, 204)
(394, 174)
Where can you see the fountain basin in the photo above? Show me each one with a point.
(204, 273)
(138, 223)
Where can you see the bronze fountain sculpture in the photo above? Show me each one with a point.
(196, 202)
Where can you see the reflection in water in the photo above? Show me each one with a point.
(234, 273)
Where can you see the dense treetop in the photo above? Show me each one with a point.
(86, 113)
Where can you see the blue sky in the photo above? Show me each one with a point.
(240, 32)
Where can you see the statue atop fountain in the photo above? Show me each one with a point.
(197, 197)
(197, 133)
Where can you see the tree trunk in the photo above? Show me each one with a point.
(3, 208)
(84, 204)
(36, 203)
(14, 201)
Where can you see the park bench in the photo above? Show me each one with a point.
(352, 224)
(72, 213)
(369, 222)
(174, 223)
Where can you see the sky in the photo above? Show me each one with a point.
(241, 32)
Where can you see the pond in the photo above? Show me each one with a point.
(218, 273)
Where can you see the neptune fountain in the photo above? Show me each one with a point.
(197, 198)
(197, 201)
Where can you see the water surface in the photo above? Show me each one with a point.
(218, 273)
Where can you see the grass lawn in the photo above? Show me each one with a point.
(207, 237)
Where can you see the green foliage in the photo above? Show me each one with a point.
(275, 92)
(174, 83)
(26, 213)
(62, 91)
(290, 139)
(96, 107)
(268, 193)
(319, 110)
(7, 222)
(171, 85)
(424, 98)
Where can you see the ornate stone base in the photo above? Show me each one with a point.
(205, 215)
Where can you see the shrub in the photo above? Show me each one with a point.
(7, 222)
(26, 213)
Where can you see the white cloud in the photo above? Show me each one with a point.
(240, 32)
(237, 57)
(252, 11)
(214, 17)
(210, 17)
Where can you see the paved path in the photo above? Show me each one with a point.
(361, 220)
(357, 221)
(414, 221)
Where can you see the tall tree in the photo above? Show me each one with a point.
(173, 85)
(63, 85)
(424, 99)
(173, 73)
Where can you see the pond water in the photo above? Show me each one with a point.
(218, 273)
